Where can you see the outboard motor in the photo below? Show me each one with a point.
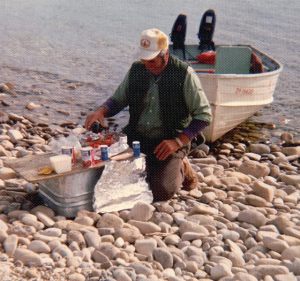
(206, 31)
(178, 33)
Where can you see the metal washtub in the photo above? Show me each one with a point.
(68, 194)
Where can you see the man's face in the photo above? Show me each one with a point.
(155, 65)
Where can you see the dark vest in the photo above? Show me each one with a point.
(173, 110)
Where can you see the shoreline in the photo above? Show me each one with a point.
(241, 223)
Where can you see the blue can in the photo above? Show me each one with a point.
(136, 146)
(104, 152)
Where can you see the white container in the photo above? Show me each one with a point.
(61, 163)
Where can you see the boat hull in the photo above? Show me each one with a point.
(233, 97)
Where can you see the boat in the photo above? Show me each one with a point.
(233, 91)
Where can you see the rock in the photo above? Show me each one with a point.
(32, 106)
(203, 209)
(220, 270)
(141, 268)
(47, 221)
(10, 244)
(121, 275)
(80, 227)
(128, 234)
(84, 220)
(275, 244)
(39, 247)
(92, 239)
(3, 235)
(7, 173)
(242, 178)
(234, 248)
(189, 226)
(263, 190)
(108, 250)
(287, 137)
(230, 234)
(295, 268)
(252, 156)
(110, 220)
(27, 257)
(292, 232)
(145, 227)
(252, 217)
(285, 277)
(6, 144)
(63, 251)
(243, 276)
(15, 117)
(254, 168)
(291, 253)
(190, 236)
(292, 241)
(164, 257)
(119, 242)
(44, 210)
(100, 257)
(288, 151)
(76, 277)
(260, 271)
(4, 152)
(15, 135)
(208, 197)
(52, 231)
(282, 222)
(256, 201)
(77, 237)
(93, 215)
(145, 246)
(3, 117)
(259, 148)
(288, 179)
(172, 239)
(236, 259)
(141, 211)
(3, 226)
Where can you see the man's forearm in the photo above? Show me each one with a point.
(110, 107)
(190, 132)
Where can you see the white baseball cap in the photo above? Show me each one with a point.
(152, 42)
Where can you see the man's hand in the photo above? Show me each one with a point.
(97, 115)
(165, 149)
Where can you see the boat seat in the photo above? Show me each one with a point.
(233, 60)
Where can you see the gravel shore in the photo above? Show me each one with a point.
(241, 223)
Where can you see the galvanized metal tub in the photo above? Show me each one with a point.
(68, 194)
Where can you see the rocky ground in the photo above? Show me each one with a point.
(241, 223)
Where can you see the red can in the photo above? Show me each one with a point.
(69, 150)
(96, 155)
(87, 156)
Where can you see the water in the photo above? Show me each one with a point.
(69, 56)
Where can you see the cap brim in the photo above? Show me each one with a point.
(147, 55)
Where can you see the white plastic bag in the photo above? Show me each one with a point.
(121, 185)
(71, 140)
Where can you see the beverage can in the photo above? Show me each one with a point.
(87, 156)
(96, 155)
(104, 152)
(69, 150)
(136, 147)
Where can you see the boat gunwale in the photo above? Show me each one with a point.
(230, 76)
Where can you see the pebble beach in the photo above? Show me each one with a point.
(242, 222)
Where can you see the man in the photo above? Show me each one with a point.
(167, 109)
